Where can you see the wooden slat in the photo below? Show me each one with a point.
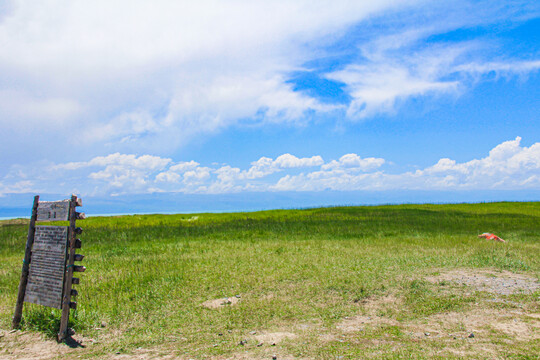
(63, 332)
(47, 269)
(38, 280)
(26, 266)
(53, 210)
(50, 300)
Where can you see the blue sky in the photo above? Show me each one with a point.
(268, 104)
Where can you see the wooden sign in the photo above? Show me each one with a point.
(46, 275)
(49, 260)
(53, 210)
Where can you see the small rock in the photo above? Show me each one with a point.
(103, 324)
(118, 353)
(260, 344)
(471, 335)
(273, 344)
(229, 331)
(253, 333)
(274, 357)
(427, 334)
(243, 342)
(238, 296)
(215, 345)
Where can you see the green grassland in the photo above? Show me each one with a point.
(299, 273)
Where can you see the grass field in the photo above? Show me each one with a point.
(407, 281)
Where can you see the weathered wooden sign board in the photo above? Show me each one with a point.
(46, 274)
(53, 210)
(48, 265)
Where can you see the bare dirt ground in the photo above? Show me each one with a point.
(29, 346)
(217, 303)
(482, 329)
(499, 282)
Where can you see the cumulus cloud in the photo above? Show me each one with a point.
(188, 173)
(508, 166)
(353, 161)
(120, 173)
(266, 166)
(232, 179)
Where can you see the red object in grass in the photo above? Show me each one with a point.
(490, 236)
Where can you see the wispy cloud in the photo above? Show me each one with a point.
(393, 68)
(500, 68)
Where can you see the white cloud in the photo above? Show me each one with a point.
(504, 68)
(30, 107)
(149, 76)
(229, 177)
(401, 65)
(353, 161)
(19, 187)
(186, 173)
(508, 166)
(375, 88)
(144, 162)
(126, 127)
(119, 172)
(266, 166)
(168, 176)
(122, 77)
(290, 161)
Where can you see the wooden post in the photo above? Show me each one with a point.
(26, 265)
(63, 332)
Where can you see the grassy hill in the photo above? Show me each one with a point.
(407, 281)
